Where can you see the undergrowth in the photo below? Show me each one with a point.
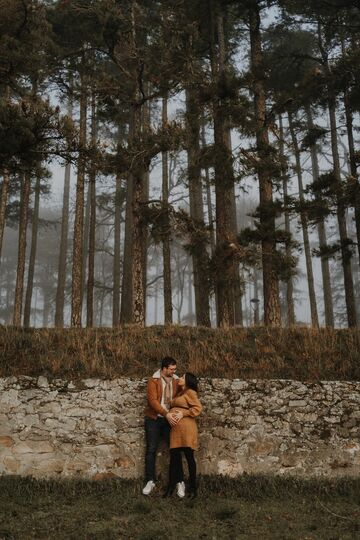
(296, 353)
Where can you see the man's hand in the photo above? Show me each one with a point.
(172, 418)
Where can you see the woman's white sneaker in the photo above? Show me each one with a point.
(180, 489)
(149, 487)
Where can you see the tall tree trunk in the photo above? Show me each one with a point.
(138, 237)
(4, 189)
(168, 312)
(156, 293)
(117, 255)
(325, 269)
(92, 224)
(200, 255)
(9, 284)
(208, 193)
(340, 205)
(191, 316)
(60, 289)
(341, 216)
(224, 182)
(46, 307)
(272, 315)
(77, 268)
(353, 167)
(134, 274)
(255, 301)
(138, 230)
(304, 226)
(146, 123)
(145, 239)
(85, 247)
(31, 269)
(290, 308)
(3, 203)
(19, 287)
(237, 285)
(126, 313)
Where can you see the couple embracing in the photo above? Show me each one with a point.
(172, 406)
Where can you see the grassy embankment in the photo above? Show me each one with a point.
(297, 353)
(250, 507)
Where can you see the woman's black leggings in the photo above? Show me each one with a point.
(176, 473)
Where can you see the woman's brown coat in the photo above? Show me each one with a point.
(185, 432)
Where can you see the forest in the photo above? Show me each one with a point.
(179, 162)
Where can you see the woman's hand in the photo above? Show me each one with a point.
(178, 415)
(172, 419)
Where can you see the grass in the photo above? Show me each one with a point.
(247, 353)
(249, 507)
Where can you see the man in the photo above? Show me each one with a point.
(161, 389)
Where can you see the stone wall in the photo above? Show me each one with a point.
(94, 428)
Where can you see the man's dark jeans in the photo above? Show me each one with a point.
(155, 430)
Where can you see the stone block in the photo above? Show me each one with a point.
(77, 466)
(31, 420)
(63, 423)
(47, 467)
(99, 450)
(291, 459)
(262, 447)
(6, 441)
(11, 465)
(81, 412)
(124, 462)
(42, 382)
(50, 407)
(228, 468)
(298, 403)
(33, 447)
(9, 400)
(91, 383)
(352, 447)
(239, 385)
(104, 475)
(134, 420)
(332, 419)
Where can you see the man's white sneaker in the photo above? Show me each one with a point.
(149, 487)
(180, 489)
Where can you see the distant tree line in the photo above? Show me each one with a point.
(168, 110)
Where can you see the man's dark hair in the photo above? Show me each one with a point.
(168, 361)
(191, 381)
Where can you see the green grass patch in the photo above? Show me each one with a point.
(246, 353)
(256, 507)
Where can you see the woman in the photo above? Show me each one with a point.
(184, 435)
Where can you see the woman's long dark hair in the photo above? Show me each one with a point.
(191, 381)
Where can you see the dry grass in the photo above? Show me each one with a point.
(248, 507)
(247, 353)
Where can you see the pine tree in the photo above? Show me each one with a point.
(31, 269)
(92, 225)
(168, 310)
(61, 279)
(266, 209)
(290, 308)
(304, 225)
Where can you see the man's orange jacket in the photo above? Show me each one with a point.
(154, 395)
